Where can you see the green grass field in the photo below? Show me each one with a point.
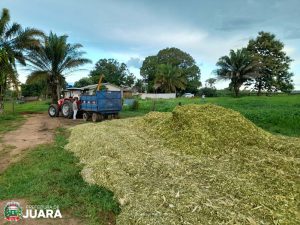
(29, 107)
(13, 114)
(276, 114)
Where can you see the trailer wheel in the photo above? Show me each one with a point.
(53, 110)
(116, 116)
(67, 109)
(95, 117)
(85, 116)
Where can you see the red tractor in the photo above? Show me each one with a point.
(64, 105)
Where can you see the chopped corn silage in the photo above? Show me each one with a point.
(198, 165)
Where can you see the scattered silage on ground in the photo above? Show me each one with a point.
(197, 165)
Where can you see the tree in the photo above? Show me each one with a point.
(34, 89)
(36, 85)
(169, 78)
(176, 58)
(210, 82)
(113, 71)
(129, 80)
(148, 71)
(238, 67)
(7, 71)
(53, 59)
(274, 63)
(139, 86)
(85, 81)
(14, 40)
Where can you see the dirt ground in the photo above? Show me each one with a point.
(37, 129)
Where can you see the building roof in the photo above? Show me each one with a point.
(73, 89)
(92, 86)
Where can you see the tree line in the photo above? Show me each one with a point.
(262, 64)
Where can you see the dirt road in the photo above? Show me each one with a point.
(38, 129)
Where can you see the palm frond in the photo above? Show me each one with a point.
(12, 31)
(4, 21)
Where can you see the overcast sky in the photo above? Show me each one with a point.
(130, 30)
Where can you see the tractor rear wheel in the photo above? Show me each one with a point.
(85, 116)
(53, 110)
(67, 109)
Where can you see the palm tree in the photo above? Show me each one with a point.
(53, 59)
(7, 73)
(169, 78)
(239, 67)
(14, 40)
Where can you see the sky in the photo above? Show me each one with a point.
(129, 30)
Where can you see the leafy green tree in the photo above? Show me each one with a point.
(148, 71)
(139, 85)
(113, 71)
(85, 81)
(238, 67)
(274, 63)
(129, 80)
(34, 89)
(176, 58)
(38, 84)
(53, 59)
(169, 78)
(14, 40)
(210, 82)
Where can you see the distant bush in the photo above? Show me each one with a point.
(224, 93)
(208, 92)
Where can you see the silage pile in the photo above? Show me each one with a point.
(197, 165)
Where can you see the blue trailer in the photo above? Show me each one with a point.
(102, 105)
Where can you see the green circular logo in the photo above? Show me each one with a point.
(12, 211)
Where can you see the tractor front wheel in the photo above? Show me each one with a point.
(53, 110)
